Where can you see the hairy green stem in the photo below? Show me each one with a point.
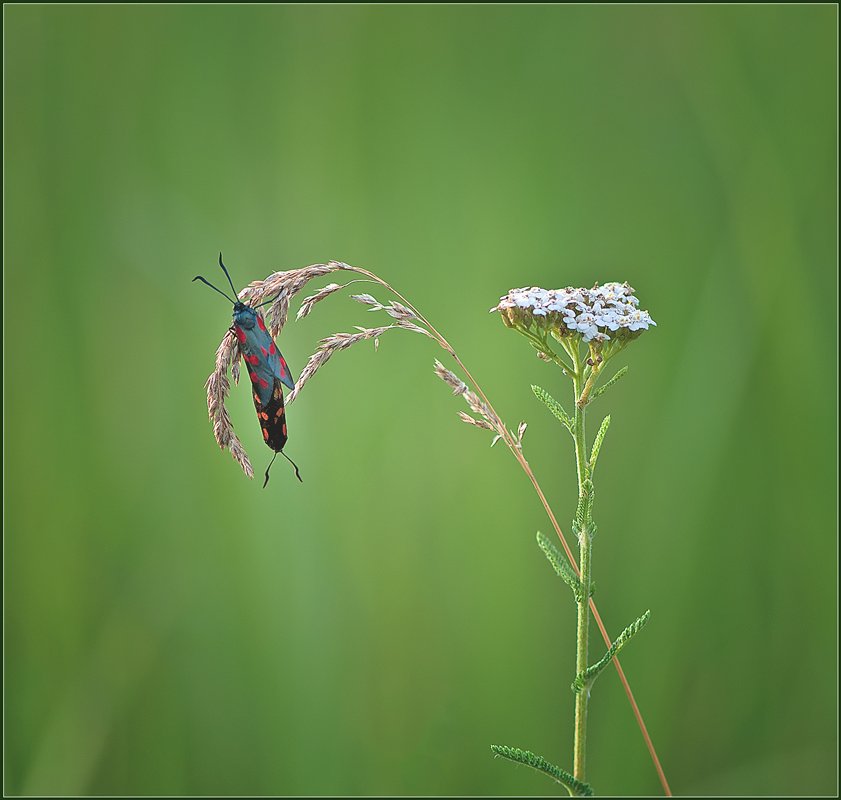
(584, 397)
(585, 541)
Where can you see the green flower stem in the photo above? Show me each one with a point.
(593, 376)
(542, 346)
(585, 542)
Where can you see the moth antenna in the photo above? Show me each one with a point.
(208, 283)
(266, 482)
(297, 473)
(226, 273)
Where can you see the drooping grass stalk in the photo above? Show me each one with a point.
(583, 384)
(282, 286)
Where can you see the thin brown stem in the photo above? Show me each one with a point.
(524, 464)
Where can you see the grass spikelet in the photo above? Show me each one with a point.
(279, 313)
(235, 363)
(489, 421)
(458, 386)
(479, 423)
(282, 287)
(366, 299)
(327, 347)
(410, 326)
(308, 302)
(399, 311)
(218, 387)
(241, 457)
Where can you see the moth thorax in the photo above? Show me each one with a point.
(244, 316)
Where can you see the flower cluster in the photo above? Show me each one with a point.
(598, 314)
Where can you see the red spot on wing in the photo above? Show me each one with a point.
(283, 367)
(255, 378)
(272, 348)
(240, 334)
(264, 384)
(266, 434)
(264, 352)
(261, 323)
(255, 360)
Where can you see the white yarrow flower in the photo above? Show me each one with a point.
(592, 314)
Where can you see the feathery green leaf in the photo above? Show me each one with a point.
(586, 678)
(554, 406)
(597, 442)
(575, 787)
(559, 562)
(584, 511)
(605, 386)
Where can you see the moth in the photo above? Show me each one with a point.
(267, 369)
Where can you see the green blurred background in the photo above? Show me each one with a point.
(172, 628)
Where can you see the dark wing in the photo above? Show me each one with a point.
(279, 366)
(264, 359)
(272, 416)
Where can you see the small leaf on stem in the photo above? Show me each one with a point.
(605, 386)
(597, 442)
(585, 679)
(560, 565)
(554, 406)
(575, 787)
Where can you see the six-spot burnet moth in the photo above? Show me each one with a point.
(266, 367)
